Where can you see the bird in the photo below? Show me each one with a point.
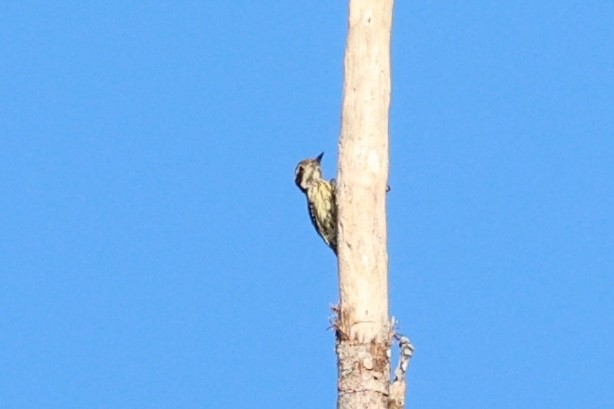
(321, 198)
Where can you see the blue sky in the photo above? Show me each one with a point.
(155, 253)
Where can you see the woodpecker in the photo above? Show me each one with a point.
(320, 194)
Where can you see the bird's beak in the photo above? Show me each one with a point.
(319, 157)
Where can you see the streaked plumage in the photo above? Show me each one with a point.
(320, 195)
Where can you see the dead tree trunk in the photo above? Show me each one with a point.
(364, 329)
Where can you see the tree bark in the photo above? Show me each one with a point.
(364, 328)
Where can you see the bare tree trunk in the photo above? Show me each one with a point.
(364, 329)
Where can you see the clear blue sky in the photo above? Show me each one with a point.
(155, 253)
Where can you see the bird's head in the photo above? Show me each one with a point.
(307, 171)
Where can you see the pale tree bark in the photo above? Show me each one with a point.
(364, 329)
